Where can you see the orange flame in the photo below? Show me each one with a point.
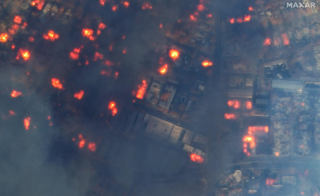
(56, 83)
(239, 20)
(250, 9)
(79, 95)
(163, 69)
(38, 3)
(270, 181)
(74, 55)
(11, 112)
(209, 15)
(24, 54)
(126, 4)
(114, 111)
(285, 39)
(114, 8)
(87, 33)
(267, 42)
(193, 18)
(247, 18)
(196, 158)
(234, 103)
(142, 90)
(174, 54)
(200, 7)
(82, 142)
(15, 94)
(26, 123)
(92, 146)
(12, 46)
(102, 26)
(207, 63)
(51, 35)
(3, 37)
(31, 39)
(17, 19)
(146, 5)
(102, 2)
(250, 139)
(230, 116)
(97, 56)
(249, 105)
(112, 105)
(232, 20)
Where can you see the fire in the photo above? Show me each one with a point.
(232, 20)
(160, 26)
(82, 142)
(102, 2)
(209, 15)
(31, 39)
(3, 37)
(38, 3)
(285, 39)
(56, 83)
(75, 53)
(51, 35)
(200, 7)
(116, 75)
(270, 181)
(114, 111)
(13, 47)
(126, 4)
(97, 56)
(15, 94)
(247, 138)
(267, 42)
(276, 154)
(17, 19)
(124, 51)
(230, 116)
(193, 18)
(11, 112)
(250, 9)
(207, 63)
(92, 146)
(112, 105)
(247, 18)
(252, 129)
(174, 54)
(250, 139)
(87, 32)
(249, 105)
(109, 63)
(163, 69)
(24, 54)
(146, 6)
(114, 8)
(239, 20)
(196, 158)
(26, 123)
(79, 95)
(234, 103)
(102, 26)
(142, 90)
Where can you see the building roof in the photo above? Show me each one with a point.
(159, 127)
(290, 85)
(167, 96)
